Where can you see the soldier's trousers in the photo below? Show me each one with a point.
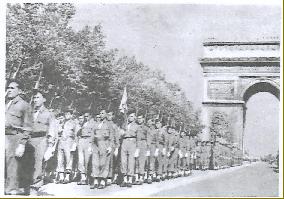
(12, 164)
(162, 161)
(64, 155)
(83, 154)
(141, 160)
(128, 148)
(173, 161)
(39, 145)
(152, 168)
(100, 159)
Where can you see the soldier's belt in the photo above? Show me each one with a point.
(129, 138)
(85, 136)
(38, 134)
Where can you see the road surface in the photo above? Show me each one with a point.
(256, 179)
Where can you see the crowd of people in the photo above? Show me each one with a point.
(43, 146)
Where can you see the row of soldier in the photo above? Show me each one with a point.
(96, 150)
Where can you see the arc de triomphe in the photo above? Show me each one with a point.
(233, 72)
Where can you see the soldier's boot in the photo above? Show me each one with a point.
(67, 177)
(102, 184)
(149, 180)
(163, 177)
(154, 177)
(130, 181)
(145, 177)
(124, 182)
(108, 182)
(141, 180)
(95, 184)
(83, 180)
(136, 182)
(60, 177)
(158, 178)
(114, 181)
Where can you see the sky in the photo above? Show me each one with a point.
(170, 37)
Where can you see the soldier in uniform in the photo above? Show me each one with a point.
(102, 150)
(114, 161)
(161, 150)
(182, 153)
(43, 136)
(18, 125)
(129, 151)
(188, 153)
(87, 125)
(143, 139)
(172, 151)
(152, 159)
(66, 145)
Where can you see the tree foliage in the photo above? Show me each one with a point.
(78, 69)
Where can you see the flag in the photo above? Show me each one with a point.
(123, 103)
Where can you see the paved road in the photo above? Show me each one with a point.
(257, 179)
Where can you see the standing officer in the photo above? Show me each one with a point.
(182, 153)
(102, 148)
(84, 145)
(43, 136)
(114, 161)
(143, 146)
(129, 151)
(18, 125)
(66, 145)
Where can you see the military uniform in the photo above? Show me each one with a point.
(153, 145)
(162, 156)
(143, 144)
(84, 145)
(101, 143)
(172, 152)
(18, 125)
(182, 155)
(128, 149)
(43, 136)
(66, 142)
(114, 159)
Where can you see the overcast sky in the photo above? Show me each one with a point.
(169, 37)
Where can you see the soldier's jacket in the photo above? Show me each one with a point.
(116, 135)
(153, 136)
(44, 122)
(171, 141)
(183, 143)
(87, 129)
(18, 116)
(70, 129)
(143, 134)
(161, 136)
(131, 130)
(103, 132)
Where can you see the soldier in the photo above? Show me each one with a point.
(43, 137)
(188, 153)
(153, 145)
(161, 150)
(114, 161)
(18, 125)
(66, 145)
(172, 152)
(87, 125)
(182, 153)
(143, 139)
(102, 148)
(129, 151)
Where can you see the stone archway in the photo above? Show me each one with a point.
(234, 71)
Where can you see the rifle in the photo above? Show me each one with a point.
(38, 80)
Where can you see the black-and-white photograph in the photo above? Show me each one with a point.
(142, 99)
